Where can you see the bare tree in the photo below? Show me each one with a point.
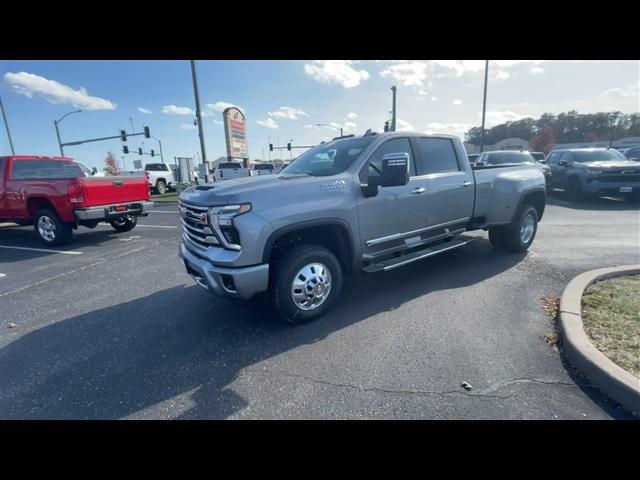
(111, 166)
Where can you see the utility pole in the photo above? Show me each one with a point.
(393, 110)
(160, 144)
(6, 125)
(484, 103)
(198, 115)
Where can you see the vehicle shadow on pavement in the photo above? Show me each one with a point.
(557, 198)
(175, 353)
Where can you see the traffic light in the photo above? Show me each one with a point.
(146, 132)
(123, 135)
(386, 126)
(152, 154)
(271, 147)
(125, 149)
(140, 151)
(289, 146)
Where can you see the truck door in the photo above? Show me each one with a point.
(394, 211)
(449, 184)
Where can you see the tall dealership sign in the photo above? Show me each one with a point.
(235, 133)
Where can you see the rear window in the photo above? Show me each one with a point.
(509, 158)
(230, 165)
(36, 169)
(263, 167)
(156, 167)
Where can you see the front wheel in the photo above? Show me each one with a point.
(305, 283)
(125, 223)
(161, 187)
(50, 229)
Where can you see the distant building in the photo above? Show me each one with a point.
(512, 143)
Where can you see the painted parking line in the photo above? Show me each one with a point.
(3, 275)
(67, 252)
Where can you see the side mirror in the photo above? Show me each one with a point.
(562, 163)
(395, 170)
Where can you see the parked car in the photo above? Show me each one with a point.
(371, 203)
(511, 157)
(262, 169)
(632, 153)
(472, 157)
(593, 171)
(54, 195)
(160, 177)
(230, 170)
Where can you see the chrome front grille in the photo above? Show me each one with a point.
(195, 226)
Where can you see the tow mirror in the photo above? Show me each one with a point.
(395, 170)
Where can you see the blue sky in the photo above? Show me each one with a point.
(286, 99)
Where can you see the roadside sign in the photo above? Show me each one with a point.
(235, 133)
(137, 164)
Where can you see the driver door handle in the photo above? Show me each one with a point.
(418, 191)
(466, 184)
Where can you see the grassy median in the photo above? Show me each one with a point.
(611, 316)
(166, 198)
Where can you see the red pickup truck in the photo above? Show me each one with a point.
(55, 196)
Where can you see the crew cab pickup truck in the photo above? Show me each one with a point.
(371, 203)
(593, 171)
(160, 177)
(55, 196)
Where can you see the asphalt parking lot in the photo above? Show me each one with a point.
(110, 326)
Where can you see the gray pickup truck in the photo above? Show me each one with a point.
(370, 203)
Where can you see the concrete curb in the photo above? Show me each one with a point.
(613, 380)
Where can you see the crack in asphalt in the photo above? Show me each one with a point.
(487, 393)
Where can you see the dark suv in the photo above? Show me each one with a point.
(593, 171)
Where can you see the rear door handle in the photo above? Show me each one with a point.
(466, 184)
(418, 191)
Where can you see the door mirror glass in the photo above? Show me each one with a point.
(395, 170)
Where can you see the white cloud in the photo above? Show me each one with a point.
(268, 123)
(289, 113)
(536, 70)
(502, 75)
(403, 126)
(457, 101)
(336, 71)
(621, 93)
(350, 126)
(407, 73)
(459, 67)
(220, 106)
(458, 129)
(29, 84)
(422, 92)
(497, 117)
(218, 123)
(308, 126)
(352, 116)
(433, 99)
(175, 110)
(144, 110)
(188, 126)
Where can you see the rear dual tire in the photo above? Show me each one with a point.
(519, 234)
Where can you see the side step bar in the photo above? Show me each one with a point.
(396, 262)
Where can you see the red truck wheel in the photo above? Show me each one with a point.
(50, 229)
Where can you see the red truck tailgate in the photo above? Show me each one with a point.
(113, 190)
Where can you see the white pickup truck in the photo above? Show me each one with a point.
(230, 170)
(160, 177)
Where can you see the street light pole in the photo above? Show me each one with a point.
(332, 126)
(484, 103)
(159, 143)
(55, 123)
(6, 125)
(393, 110)
(198, 114)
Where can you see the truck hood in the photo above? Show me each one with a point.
(250, 189)
(617, 164)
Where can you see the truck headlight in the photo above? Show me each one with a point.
(226, 213)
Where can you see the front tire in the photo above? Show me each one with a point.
(124, 224)
(305, 283)
(50, 229)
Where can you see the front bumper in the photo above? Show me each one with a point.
(612, 187)
(241, 283)
(109, 212)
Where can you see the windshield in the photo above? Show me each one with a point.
(328, 158)
(509, 157)
(598, 156)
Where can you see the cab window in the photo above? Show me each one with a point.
(374, 165)
(437, 155)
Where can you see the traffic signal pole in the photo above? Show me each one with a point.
(199, 116)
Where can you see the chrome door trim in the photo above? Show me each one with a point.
(398, 236)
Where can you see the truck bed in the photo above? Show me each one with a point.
(110, 190)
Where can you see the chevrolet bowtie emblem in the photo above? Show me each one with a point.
(203, 218)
